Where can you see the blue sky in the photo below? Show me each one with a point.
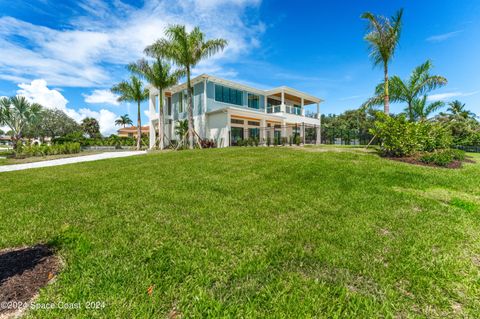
(67, 54)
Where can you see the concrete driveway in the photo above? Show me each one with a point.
(69, 160)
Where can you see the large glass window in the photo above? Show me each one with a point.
(254, 132)
(180, 102)
(236, 134)
(297, 109)
(253, 101)
(228, 95)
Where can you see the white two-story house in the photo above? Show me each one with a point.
(228, 112)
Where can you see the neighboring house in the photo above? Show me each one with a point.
(5, 140)
(227, 112)
(131, 131)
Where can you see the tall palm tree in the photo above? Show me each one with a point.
(159, 76)
(17, 112)
(383, 37)
(417, 85)
(124, 120)
(457, 108)
(186, 50)
(421, 110)
(133, 91)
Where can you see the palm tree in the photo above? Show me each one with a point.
(124, 120)
(383, 38)
(16, 112)
(186, 50)
(418, 84)
(159, 76)
(421, 110)
(457, 109)
(91, 127)
(133, 91)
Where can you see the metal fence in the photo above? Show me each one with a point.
(290, 134)
(471, 148)
(346, 137)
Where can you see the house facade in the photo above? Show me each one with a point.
(131, 131)
(229, 112)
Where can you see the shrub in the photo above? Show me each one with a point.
(298, 140)
(44, 150)
(208, 143)
(400, 137)
(443, 157)
(433, 136)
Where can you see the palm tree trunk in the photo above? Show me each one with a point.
(190, 110)
(386, 103)
(161, 121)
(139, 127)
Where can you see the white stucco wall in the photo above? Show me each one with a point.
(218, 128)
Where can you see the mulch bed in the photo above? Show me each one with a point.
(416, 161)
(23, 271)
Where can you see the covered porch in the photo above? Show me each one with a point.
(290, 101)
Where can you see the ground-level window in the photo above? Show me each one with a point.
(254, 132)
(130, 134)
(228, 95)
(253, 101)
(253, 123)
(236, 121)
(236, 134)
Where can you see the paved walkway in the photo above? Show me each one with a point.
(69, 160)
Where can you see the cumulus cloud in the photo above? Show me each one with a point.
(38, 92)
(104, 35)
(101, 97)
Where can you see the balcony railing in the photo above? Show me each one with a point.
(290, 109)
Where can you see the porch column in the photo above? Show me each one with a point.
(284, 129)
(228, 135)
(303, 109)
(319, 132)
(263, 131)
(151, 107)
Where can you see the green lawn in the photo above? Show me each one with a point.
(253, 232)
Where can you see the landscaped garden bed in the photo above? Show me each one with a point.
(23, 272)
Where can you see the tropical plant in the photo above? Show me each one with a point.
(186, 50)
(133, 91)
(421, 110)
(383, 37)
(124, 120)
(409, 91)
(159, 75)
(181, 129)
(457, 109)
(17, 112)
(91, 127)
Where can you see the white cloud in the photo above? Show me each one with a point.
(101, 97)
(89, 48)
(37, 91)
(449, 95)
(443, 37)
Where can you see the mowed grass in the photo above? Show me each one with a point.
(252, 232)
